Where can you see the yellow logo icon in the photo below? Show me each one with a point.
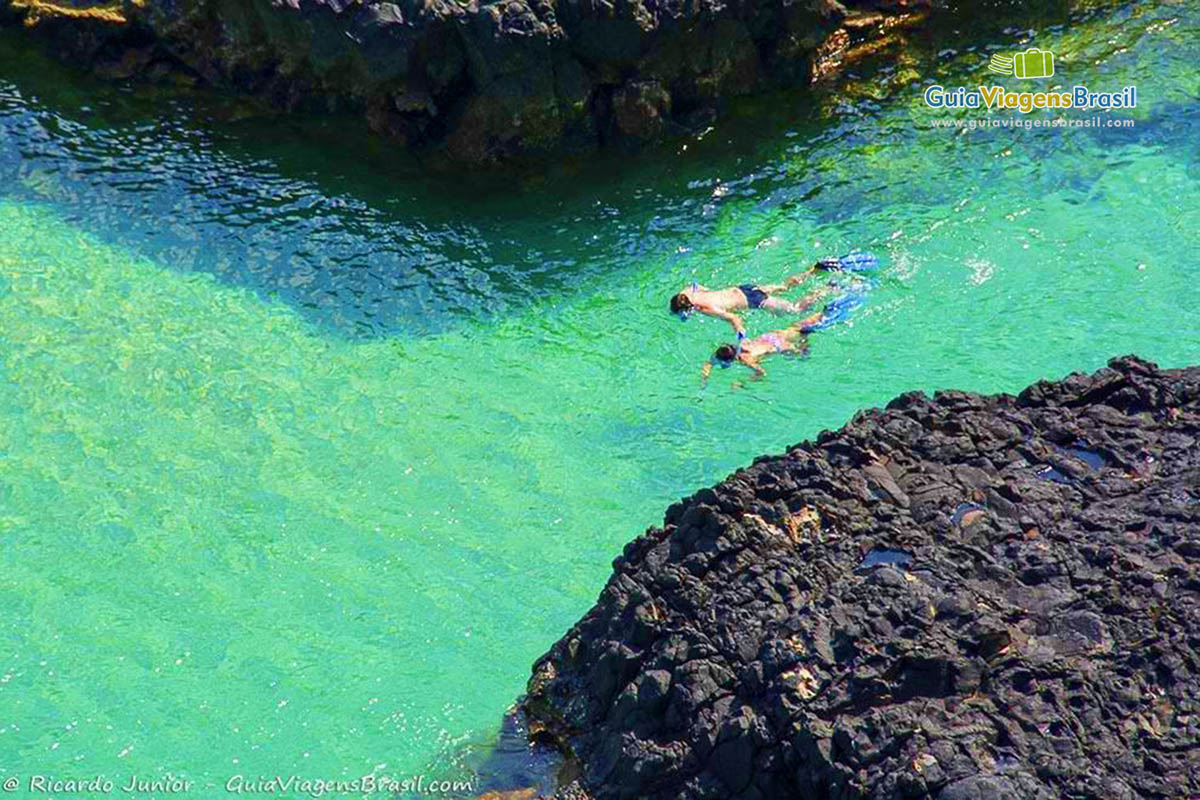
(1033, 63)
(1002, 64)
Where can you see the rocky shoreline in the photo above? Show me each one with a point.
(482, 82)
(953, 598)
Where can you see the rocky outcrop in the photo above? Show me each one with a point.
(954, 598)
(487, 80)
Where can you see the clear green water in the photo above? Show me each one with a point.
(305, 455)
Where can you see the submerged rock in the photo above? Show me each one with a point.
(487, 80)
(1011, 637)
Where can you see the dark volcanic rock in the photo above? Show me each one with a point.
(1028, 625)
(489, 79)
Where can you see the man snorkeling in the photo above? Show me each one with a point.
(721, 303)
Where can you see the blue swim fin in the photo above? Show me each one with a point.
(853, 262)
(858, 262)
(836, 311)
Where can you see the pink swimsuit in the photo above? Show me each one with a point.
(776, 341)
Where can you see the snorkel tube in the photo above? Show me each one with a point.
(684, 313)
(717, 361)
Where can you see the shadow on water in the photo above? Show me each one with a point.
(360, 238)
(364, 240)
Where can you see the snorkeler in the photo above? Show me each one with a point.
(721, 303)
(790, 340)
(749, 352)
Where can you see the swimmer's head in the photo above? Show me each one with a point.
(681, 305)
(725, 355)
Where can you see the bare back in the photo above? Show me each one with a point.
(731, 299)
(780, 341)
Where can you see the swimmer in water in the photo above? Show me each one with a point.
(721, 303)
(750, 352)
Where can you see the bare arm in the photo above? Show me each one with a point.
(752, 363)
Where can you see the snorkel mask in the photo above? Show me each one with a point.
(716, 361)
(684, 313)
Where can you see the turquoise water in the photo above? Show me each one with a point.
(307, 453)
